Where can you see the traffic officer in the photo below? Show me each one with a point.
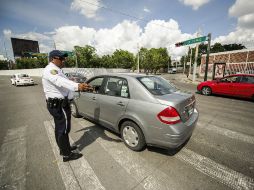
(59, 90)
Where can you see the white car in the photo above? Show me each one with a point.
(21, 79)
(172, 71)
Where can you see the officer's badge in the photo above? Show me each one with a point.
(54, 72)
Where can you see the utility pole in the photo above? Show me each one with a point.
(190, 62)
(76, 59)
(54, 44)
(207, 56)
(184, 64)
(195, 62)
(138, 59)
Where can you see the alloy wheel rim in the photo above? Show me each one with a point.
(130, 136)
(206, 91)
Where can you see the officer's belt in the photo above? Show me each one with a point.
(56, 102)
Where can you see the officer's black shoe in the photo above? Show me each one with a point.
(72, 156)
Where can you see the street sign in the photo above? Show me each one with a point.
(192, 41)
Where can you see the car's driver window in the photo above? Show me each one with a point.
(96, 84)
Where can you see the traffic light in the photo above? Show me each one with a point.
(179, 44)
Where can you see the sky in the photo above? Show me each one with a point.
(108, 25)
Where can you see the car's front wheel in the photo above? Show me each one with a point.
(132, 136)
(206, 91)
(74, 110)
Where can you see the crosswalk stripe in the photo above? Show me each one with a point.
(13, 159)
(133, 164)
(76, 174)
(216, 171)
(226, 132)
(239, 154)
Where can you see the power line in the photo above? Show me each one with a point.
(124, 14)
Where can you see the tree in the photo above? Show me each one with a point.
(3, 65)
(123, 59)
(86, 56)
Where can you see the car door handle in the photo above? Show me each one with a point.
(120, 103)
(94, 98)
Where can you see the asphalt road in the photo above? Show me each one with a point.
(219, 154)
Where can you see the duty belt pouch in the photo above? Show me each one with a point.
(65, 103)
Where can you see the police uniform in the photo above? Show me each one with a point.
(58, 90)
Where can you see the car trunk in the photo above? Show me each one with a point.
(184, 103)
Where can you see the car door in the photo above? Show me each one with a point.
(245, 88)
(88, 103)
(227, 85)
(113, 101)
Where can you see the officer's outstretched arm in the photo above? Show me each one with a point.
(60, 81)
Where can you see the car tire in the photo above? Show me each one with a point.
(132, 136)
(207, 91)
(74, 110)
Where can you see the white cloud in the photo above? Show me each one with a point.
(146, 10)
(127, 35)
(241, 7)
(244, 32)
(32, 36)
(194, 3)
(7, 33)
(87, 8)
(67, 37)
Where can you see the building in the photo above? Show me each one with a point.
(229, 62)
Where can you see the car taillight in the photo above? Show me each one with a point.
(169, 116)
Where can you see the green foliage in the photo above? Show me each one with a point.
(151, 60)
(154, 59)
(123, 59)
(29, 63)
(4, 65)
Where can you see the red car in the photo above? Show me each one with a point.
(240, 85)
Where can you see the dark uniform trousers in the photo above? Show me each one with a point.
(62, 119)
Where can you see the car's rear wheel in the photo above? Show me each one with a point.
(132, 136)
(206, 91)
(74, 110)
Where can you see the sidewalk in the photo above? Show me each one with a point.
(183, 78)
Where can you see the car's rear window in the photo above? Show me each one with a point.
(23, 75)
(157, 85)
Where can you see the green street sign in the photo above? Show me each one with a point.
(192, 41)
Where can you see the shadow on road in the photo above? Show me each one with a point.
(91, 133)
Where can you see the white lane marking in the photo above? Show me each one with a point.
(133, 164)
(235, 153)
(216, 171)
(13, 159)
(76, 174)
(68, 177)
(226, 132)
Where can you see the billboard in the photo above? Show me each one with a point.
(20, 46)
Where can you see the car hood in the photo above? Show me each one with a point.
(183, 102)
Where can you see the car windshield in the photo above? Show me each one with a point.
(23, 75)
(157, 85)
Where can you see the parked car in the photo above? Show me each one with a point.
(239, 85)
(145, 110)
(172, 70)
(21, 79)
(76, 77)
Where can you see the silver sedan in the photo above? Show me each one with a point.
(144, 109)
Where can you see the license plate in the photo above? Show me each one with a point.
(190, 111)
